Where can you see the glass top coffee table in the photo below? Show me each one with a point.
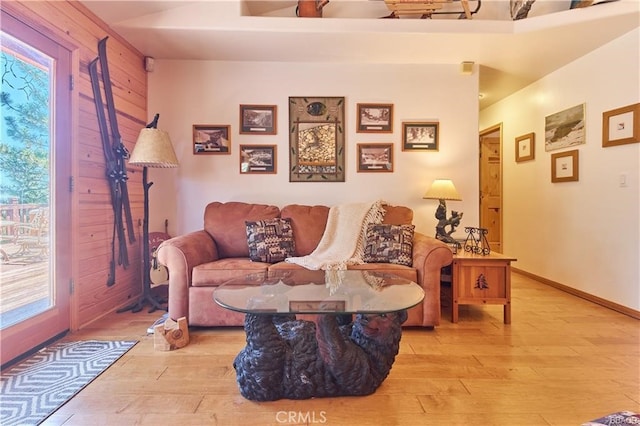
(340, 353)
(318, 292)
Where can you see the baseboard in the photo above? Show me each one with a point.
(590, 297)
(33, 350)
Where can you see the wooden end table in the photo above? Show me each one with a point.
(481, 280)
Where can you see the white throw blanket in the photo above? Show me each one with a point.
(343, 240)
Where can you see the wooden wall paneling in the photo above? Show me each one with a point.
(91, 169)
(91, 155)
(94, 217)
(95, 232)
(96, 299)
(73, 25)
(97, 264)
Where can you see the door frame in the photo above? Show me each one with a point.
(489, 130)
(23, 338)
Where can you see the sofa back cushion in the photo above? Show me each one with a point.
(226, 224)
(398, 215)
(308, 223)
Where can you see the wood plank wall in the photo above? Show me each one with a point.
(72, 24)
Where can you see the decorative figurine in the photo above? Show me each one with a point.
(453, 222)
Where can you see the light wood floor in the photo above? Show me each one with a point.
(563, 361)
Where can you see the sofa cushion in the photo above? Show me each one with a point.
(270, 240)
(226, 224)
(308, 223)
(389, 243)
(397, 215)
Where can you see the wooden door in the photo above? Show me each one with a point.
(491, 185)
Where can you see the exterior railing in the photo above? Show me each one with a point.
(18, 212)
(14, 214)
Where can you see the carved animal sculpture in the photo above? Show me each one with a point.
(295, 359)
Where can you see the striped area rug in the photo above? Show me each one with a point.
(36, 387)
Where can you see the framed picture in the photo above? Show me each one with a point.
(316, 139)
(375, 118)
(420, 136)
(564, 166)
(565, 128)
(525, 147)
(375, 157)
(621, 126)
(317, 305)
(258, 159)
(258, 119)
(211, 139)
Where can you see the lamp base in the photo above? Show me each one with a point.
(453, 222)
(146, 261)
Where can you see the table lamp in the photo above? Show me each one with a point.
(442, 190)
(153, 149)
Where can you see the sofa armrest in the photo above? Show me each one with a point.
(429, 257)
(180, 255)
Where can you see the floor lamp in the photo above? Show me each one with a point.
(153, 149)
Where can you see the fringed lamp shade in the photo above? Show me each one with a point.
(442, 189)
(153, 149)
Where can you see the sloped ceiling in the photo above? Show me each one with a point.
(509, 54)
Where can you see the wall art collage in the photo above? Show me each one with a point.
(316, 131)
(567, 129)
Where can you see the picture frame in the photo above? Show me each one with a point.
(211, 139)
(525, 147)
(258, 119)
(375, 157)
(316, 139)
(317, 306)
(258, 159)
(565, 128)
(564, 166)
(420, 136)
(621, 126)
(374, 118)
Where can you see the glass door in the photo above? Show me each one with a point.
(35, 199)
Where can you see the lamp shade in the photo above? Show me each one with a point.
(442, 189)
(153, 149)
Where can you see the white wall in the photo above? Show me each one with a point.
(208, 92)
(581, 234)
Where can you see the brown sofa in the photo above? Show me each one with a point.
(201, 260)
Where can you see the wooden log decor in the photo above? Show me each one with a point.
(425, 8)
(171, 335)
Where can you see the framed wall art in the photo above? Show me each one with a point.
(258, 159)
(375, 118)
(375, 157)
(565, 128)
(316, 306)
(420, 136)
(211, 139)
(316, 139)
(258, 119)
(621, 126)
(564, 166)
(525, 147)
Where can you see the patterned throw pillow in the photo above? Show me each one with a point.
(389, 244)
(270, 240)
